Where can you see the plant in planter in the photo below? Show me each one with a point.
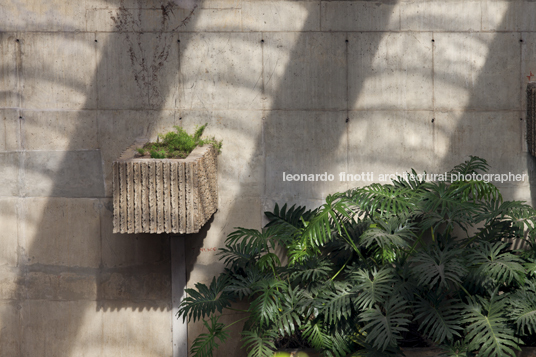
(377, 268)
(169, 186)
(177, 144)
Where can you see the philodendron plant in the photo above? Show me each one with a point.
(377, 265)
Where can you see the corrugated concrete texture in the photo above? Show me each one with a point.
(164, 195)
(290, 86)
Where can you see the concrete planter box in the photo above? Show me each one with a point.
(164, 195)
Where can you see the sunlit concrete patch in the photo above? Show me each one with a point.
(389, 142)
(137, 70)
(211, 4)
(221, 71)
(241, 162)
(62, 174)
(466, 69)
(36, 15)
(135, 331)
(59, 130)
(390, 70)
(58, 70)
(9, 233)
(305, 70)
(60, 231)
(360, 16)
(61, 328)
(221, 20)
(309, 143)
(9, 130)
(281, 16)
(118, 129)
(10, 338)
(9, 88)
(425, 15)
(460, 134)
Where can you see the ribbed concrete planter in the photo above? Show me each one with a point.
(164, 195)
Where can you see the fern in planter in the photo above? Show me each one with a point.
(375, 264)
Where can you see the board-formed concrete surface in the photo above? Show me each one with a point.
(308, 86)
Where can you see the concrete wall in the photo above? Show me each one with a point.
(289, 86)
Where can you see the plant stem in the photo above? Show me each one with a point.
(230, 308)
(344, 265)
(247, 317)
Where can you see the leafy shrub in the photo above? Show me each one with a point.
(375, 265)
(178, 144)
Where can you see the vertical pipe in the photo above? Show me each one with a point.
(178, 284)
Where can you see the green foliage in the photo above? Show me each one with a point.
(160, 154)
(205, 343)
(259, 343)
(178, 144)
(439, 316)
(205, 300)
(375, 264)
(487, 329)
(385, 323)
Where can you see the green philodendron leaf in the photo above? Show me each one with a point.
(242, 286)
(312, 269)
(330, 217)
(523, 309)
(443, 268)
(259, 343)
(205, 300)
(491, 260)
(338, 303)
(385, 323)
(205, 344)
(389, 234)
(488, 331)
(440, 318)
(266, 307)
(317, 335)
(385, 200)
(373, 286)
